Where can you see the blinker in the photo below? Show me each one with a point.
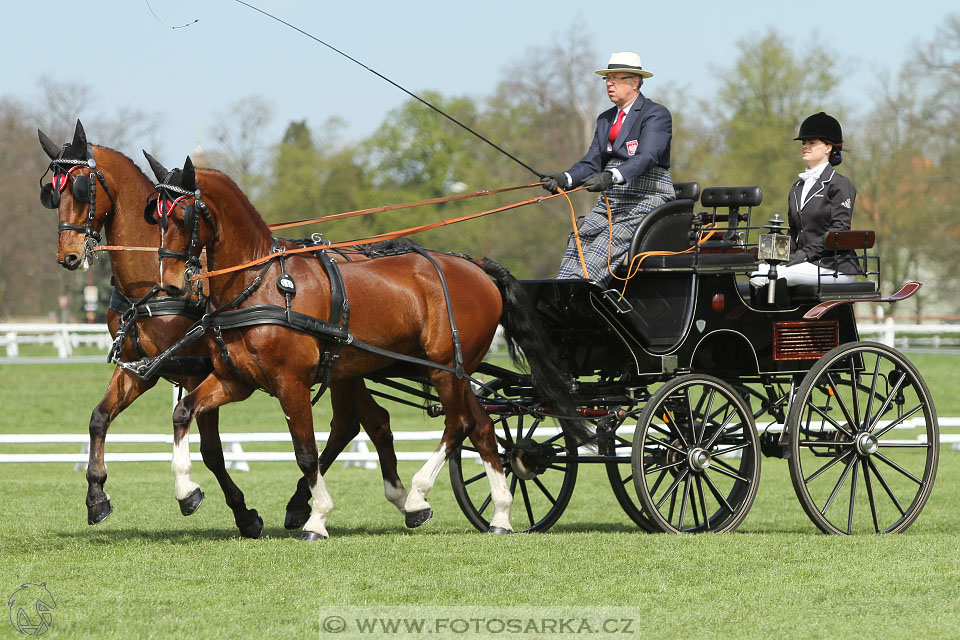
(49, 197)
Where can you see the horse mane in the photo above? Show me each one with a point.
(255, 217)
(125, 157)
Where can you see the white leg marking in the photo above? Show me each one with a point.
(183, 486)
(500, 495)
(322, 506)
(396, 494)
(423, 481)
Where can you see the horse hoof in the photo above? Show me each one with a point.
(191, 503)
(499, 530)
(416, 518)
(99, 512)
(295, 519)
(310, 535)
(252, 527)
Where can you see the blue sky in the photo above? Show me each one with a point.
(191, 76)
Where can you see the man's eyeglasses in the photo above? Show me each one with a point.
(618, 79)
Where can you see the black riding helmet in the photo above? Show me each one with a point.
(821, 126)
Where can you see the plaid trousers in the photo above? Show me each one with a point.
(629, 203)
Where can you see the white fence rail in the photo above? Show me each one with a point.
(66, 336)
(238, 458)
(63, 336)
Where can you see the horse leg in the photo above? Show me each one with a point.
(484, 439)
(209, 395)
(458, 424)
(123, 389)
(295, 402)
(376, 422)
(344, 427)
(248, 520)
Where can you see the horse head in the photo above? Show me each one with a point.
(81, 212)
(185, 222)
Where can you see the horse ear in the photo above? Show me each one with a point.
(188, 180)
(158, 170)
(49, 147)
(78, 148)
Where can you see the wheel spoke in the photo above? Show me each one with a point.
(816, 474)
(873, 394)
(526, 501)
(706, 415)
(828, 418)
(886, 401)
(473, 479)
(720, 452)
(664, 443)
(840, 402)
(836, 488)
(716, 494)
(873, 505)
(673, 488)
(663, 468)
(720, 430)
(484, 504)
(854, 379)
(731, 473)
(703, 503)
(656, 485)
(686, 499)
(544, 490)
(899, 420)
(886, 487)
(899, 468)
(853, 496)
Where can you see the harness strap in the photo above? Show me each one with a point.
(457, 350)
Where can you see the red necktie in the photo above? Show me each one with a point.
(615, 129)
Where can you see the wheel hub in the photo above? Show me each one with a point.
(699, 459)
(529, 458)
(867, 444)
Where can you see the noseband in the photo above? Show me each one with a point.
(84, 190)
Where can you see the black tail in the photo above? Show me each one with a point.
(523, 331)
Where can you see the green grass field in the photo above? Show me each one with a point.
(149, 572)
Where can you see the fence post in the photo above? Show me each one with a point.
(13, 347)
(889, 332)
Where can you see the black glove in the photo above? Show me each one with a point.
(553, 181)
(599, 181)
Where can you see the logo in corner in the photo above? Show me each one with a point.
(30, 609)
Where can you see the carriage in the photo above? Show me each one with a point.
(680, 382)
(689, 376)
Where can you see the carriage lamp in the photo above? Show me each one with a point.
(773, 249)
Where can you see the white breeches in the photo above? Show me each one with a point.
(803, 273)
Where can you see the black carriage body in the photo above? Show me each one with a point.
(677, 321)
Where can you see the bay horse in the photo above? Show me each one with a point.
(400, 307)
(116, 208)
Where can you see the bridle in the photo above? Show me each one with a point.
(171, 196)
(84, 190)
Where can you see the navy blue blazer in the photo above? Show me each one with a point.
(827, 207)
(643, 142)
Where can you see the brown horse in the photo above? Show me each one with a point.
(400, 307)
(117, 209)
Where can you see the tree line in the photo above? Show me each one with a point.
(904, 141)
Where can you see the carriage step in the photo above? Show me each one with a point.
(770, 445)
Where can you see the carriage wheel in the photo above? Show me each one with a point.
(536, 461)
(696, 456)
(850, 468)
(615, 442)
